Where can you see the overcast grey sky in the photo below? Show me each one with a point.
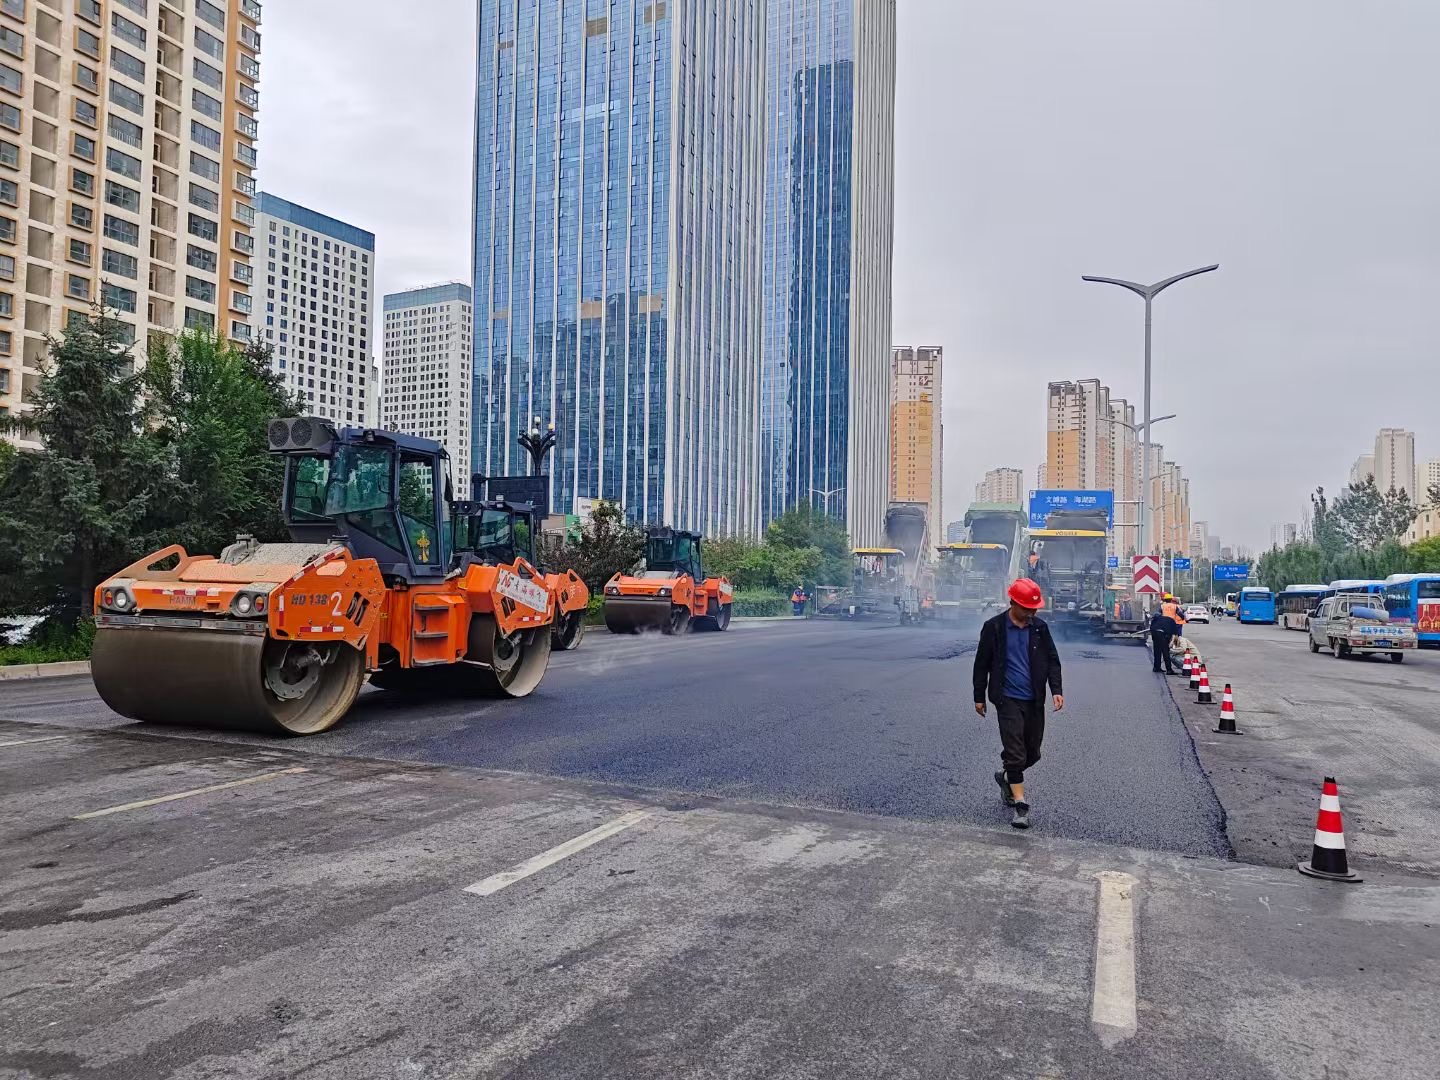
(1292, 141)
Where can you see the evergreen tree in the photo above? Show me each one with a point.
(76, 510)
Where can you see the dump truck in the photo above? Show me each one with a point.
(1071, 569)
(971, 580)
(672, 593)
(877, 582)
(375, 580)
(907, 528)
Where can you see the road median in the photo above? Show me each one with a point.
(17, 672)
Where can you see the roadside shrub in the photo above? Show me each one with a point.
(761, 603)
(52, 642)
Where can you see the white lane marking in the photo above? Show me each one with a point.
(26, 742)
(187, 794)
(1112, 1009)
(495, 882)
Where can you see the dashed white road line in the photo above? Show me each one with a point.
(187, 794)
(1112, 1008)
(495, 882)
(26, 742)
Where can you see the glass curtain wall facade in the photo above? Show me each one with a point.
(617, 251)
(829, 225)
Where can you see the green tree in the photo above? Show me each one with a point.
(1368, 518)
(606, 545)
(804, 527)
(212, 402)
(1425, 556)
(77, 509)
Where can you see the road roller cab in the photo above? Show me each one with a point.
(671, 593)
(281, 636)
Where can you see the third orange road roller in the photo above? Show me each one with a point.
(671, 594)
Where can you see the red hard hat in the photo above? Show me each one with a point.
(1027, 594)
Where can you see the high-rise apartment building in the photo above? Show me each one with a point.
(1199, 538)
(829, 225)
(1395, 461)
(1170, 529)
(127, 147)
(916, 434)
(955, 532)
(619, 172)
(1427, 479)
(1125, 462)
(1042, 475)
(427, 381)
(1001, 485)
(1363, 469)
(1078, 447)
(1282, 534)
(319, 281)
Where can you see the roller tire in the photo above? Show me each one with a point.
(569, 631)
(678, 622)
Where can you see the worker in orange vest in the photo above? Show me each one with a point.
(798, 599)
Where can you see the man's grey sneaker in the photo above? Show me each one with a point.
(1005, 792)
(1021, 820)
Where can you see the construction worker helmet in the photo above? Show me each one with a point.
(1167, 596)
(1027, 594)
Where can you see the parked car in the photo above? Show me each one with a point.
(1348, 623)
(1197, 613)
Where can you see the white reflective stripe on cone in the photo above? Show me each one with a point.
(1330, 802)
(1335, 840)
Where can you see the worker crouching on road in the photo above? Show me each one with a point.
(1014, 664)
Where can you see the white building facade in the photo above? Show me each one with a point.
(426, 381)
(1395, 461)
(1003, 485)
(319, 285)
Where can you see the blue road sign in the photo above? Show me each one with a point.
(1180, 564)
(1045, 502)
(1113, 562)
(1232, 571)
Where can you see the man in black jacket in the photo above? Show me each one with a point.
(1015, 662)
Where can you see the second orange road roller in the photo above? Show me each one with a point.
(380, 577)
(671, 594)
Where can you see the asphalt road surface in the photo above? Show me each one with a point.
(772, 853)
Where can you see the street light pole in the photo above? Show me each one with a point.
(1139, 523)
(1148, 294)
(825, 495)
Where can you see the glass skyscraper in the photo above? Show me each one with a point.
(619, 177)
(829, 225)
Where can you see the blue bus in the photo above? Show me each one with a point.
(1416, 597)
(1352, 585)
(1256, 606)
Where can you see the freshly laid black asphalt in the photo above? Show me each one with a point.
(860, 717)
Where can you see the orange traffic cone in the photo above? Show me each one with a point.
(1205, 697)
(1195, 673)
(1327, 860)
(1227, 713)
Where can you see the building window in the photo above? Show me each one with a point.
(7, 304)
(124, 197)
(127, 98)
(206, 105)
(85, 112)
(9, 193)
(118, 162)
(83, 147)
(9, 154)
(209, 44)
(210, 13)
(204, 198)
(82, 217)
(7, 267)
(125, 131)
(206, 136)
(87, 43)
(6, 344)
(210, 76)
(89, 10)
(202, 166)
(199, 320)
(12, 41)
(201, 259)
(80, 252)
(11, 80)
(114, 296)
(204, 228)
(126, 64)
(82, 182)
(126, 30)
(10, 116)
(200, 289)
(77, 286)
(124, 231)
(87, 78)
(140, 7)
(116, 262)
(7, 230)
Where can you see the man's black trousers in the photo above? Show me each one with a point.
(1022, 729)
(1160, 640)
